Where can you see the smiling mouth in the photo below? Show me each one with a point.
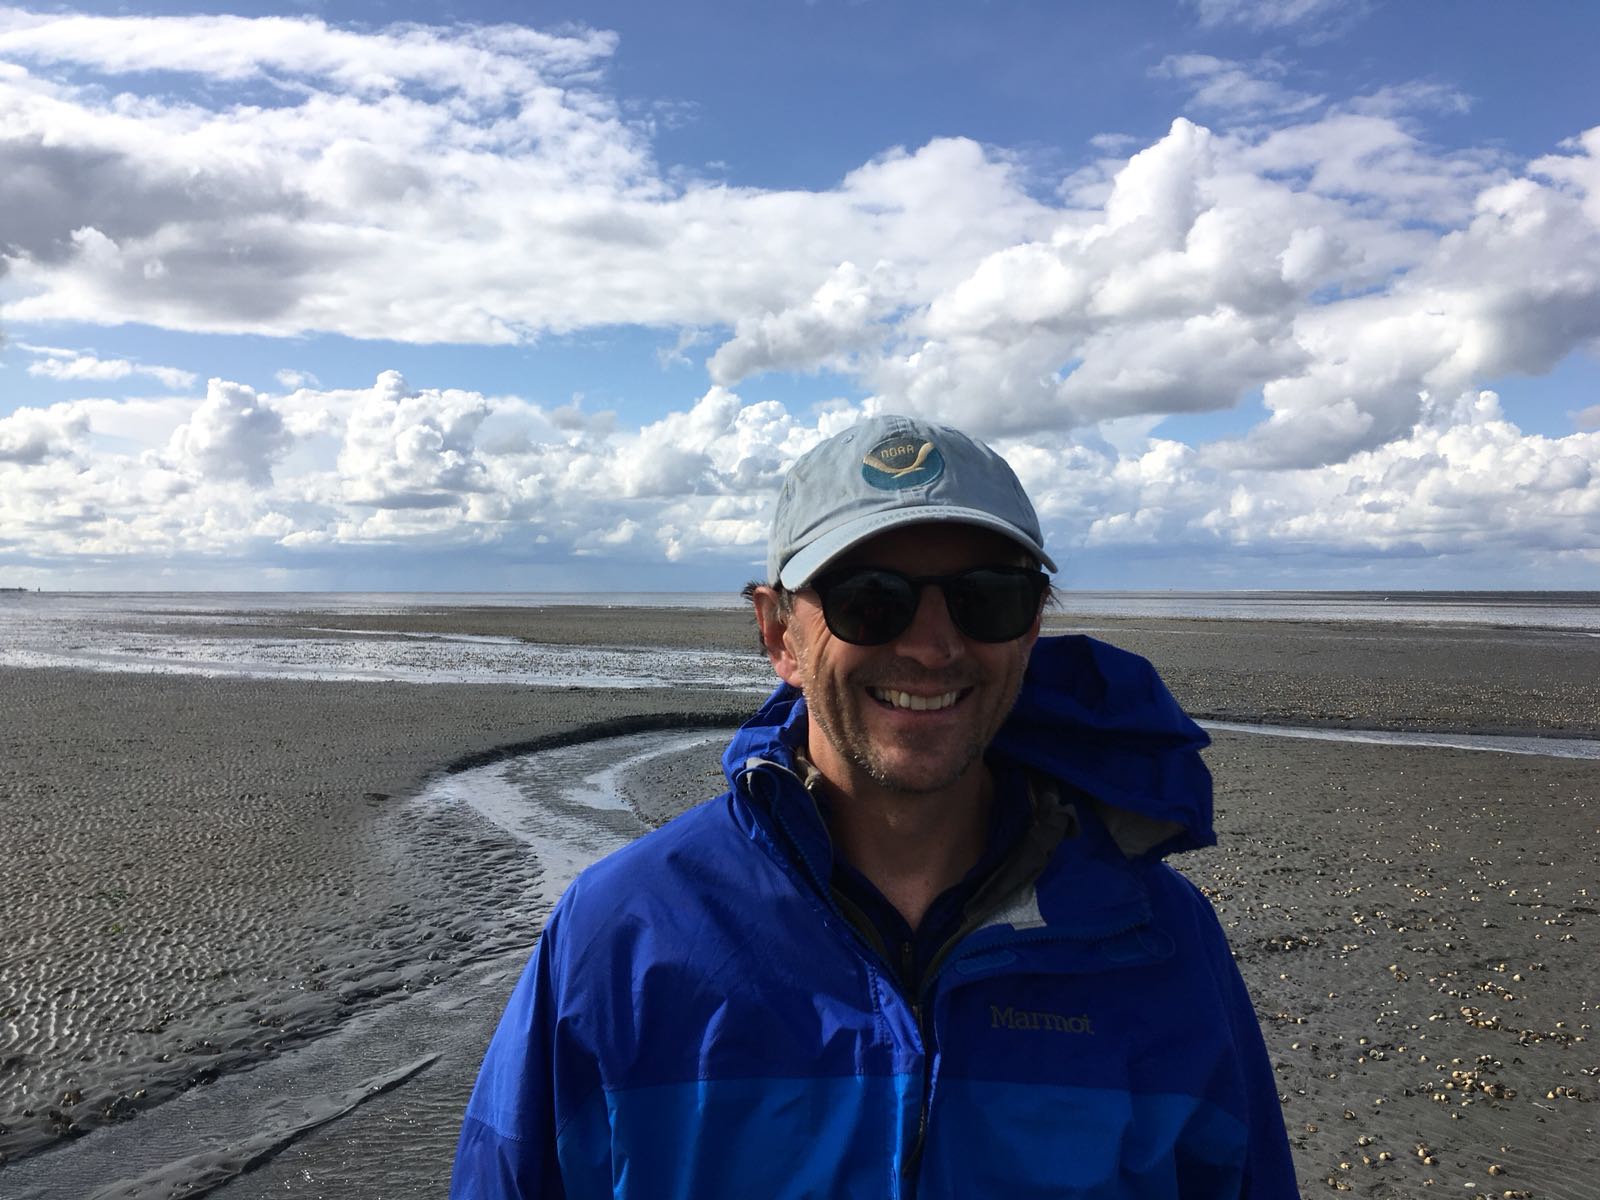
(906, 700)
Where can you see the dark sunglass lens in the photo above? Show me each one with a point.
(867, 608)
(992, 605)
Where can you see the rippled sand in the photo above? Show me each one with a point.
(200, 871)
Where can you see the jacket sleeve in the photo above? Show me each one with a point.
(523, 1097)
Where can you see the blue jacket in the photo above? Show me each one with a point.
(701, 1019)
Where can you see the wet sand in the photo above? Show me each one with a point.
(199, 872)
(1356, 675)
(203, 871)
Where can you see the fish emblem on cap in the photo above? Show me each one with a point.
(902, 462)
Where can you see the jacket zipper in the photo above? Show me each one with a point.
(915, 991)
(911, 985)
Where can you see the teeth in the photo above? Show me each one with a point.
(915, 703)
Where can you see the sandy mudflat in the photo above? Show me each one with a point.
(199, 869)
(1420, 930)
(561, 625)
(1374, 676)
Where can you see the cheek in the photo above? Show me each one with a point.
(1007, 668)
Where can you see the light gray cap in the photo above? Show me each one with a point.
(884, 473)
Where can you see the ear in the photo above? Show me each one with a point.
(777, 638)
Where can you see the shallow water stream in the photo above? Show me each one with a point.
(564, 805)
(1546, 747)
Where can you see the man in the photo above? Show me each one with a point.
(925, 946)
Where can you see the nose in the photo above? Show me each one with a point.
(932, 638)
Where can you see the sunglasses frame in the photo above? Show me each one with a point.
(824, 583)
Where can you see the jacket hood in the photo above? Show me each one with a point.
(1097, 718)
(1101, 720)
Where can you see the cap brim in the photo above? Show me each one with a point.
(805, 563)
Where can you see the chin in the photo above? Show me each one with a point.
(917, 777)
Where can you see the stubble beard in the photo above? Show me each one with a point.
(858, 751)
(852, 742)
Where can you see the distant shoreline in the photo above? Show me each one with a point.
(1488, 608)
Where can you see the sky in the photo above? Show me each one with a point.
(548, 296)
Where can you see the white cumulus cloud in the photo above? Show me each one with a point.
(412, 449)
(417, 469)
(839, 318)
(487, 167)
(29, 436)
(233, 434)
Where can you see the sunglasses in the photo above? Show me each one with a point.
(868, 606)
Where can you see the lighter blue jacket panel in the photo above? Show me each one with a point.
(701, 1021)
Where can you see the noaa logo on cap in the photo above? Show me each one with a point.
(902, 462)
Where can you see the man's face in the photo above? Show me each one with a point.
(861, 735)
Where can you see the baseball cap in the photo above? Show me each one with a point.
(884, 473)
